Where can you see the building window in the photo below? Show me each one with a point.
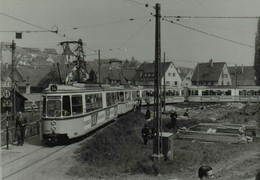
(168, 82)
(8, 84)
(228, 83)
(169, 74)
(225, 75)
(188, 78)
(173, 74)
(175, 83)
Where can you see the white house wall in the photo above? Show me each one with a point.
(225, 78)
(172, 77)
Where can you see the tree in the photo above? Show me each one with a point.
(257, 55)
(126, 64)
(92, 77)
(133, 64)
(51, 78)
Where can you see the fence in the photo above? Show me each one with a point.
(32, 129)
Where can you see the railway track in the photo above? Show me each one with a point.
(15, 166)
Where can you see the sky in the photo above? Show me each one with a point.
(107, 25)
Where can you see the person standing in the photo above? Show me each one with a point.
(173, 119)
(145, 133)
(21, 122)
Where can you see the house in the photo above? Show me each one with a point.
(32, 77)
(186, 81)
(242, 75)
(145, 75)
(129, 75)
(211, 74)
(6, 74)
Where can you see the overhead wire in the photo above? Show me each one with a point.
(217, 27)
(134, 34)
(214, 17)
(206, 33)
(104, 24)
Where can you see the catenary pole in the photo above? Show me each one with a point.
(157, 86)
(164, 79)
(99, 64)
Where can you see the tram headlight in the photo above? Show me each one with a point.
(53, 122)
(53, 128)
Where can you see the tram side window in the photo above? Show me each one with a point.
(66, 110)
(121, 96)
(128, 95)
(44, 106)
(53, 108)
(77, 107)
(93, 102)
(228, 93)
(111, 98)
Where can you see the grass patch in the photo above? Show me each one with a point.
(118, 149)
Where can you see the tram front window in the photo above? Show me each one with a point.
(53, 108)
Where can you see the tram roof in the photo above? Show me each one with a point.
(225, 87)
(80, 87)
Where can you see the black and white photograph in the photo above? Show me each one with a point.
(130, 89)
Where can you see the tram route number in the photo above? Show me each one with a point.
(94, 119)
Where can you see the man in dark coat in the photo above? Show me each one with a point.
(21, 122)
(145, 134)
(173, 119)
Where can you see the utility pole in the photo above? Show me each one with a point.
(99, 64)
(164, 85)
(13, 104)
(157, 87)
(13, 47)
(236, 76)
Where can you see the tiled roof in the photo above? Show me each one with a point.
(129, 74)
(206, 72)
(149, 68)
(245, 75)
(35, 75)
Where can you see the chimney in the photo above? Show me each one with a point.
(6, 66)
(211, 63)
(28, 86)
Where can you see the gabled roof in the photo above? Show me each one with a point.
(6, 71)
(208, 71)
(129, 74)
(149, 68)
(245, 75)
(33, 76)
(183, 71)
(50, 51)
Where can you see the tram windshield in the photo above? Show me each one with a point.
(53, 106)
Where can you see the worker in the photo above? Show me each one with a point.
(186, 113)
(173, 119)
(205, 172)
(145, 133)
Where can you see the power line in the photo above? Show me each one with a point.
(143, 7)
(214, 17)
(209, 34)
(217, 27)
(104, 24)
(133, 35)
(40, 27)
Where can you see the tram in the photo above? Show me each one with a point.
(73, 111)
